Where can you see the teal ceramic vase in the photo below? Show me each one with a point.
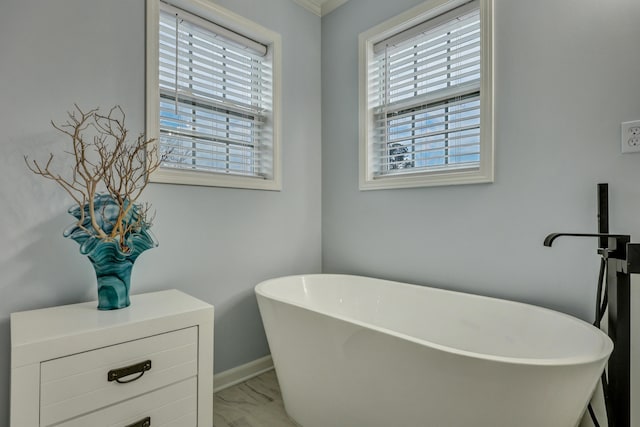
(111, 264)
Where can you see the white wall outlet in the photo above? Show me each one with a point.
(631, 137)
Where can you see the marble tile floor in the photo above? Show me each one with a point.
(256, 402)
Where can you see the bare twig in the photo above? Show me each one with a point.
(105, 161)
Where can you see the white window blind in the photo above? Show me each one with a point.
(424, 92)
(216, 96)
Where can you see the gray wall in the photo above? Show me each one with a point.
(215, 244)
(567, 73)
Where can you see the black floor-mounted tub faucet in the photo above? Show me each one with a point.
(621, 259)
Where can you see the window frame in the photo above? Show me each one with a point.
(368, 180)
(229, 20)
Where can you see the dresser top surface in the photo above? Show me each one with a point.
(76, 319)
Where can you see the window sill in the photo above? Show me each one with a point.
(207, 179)
(426, 180)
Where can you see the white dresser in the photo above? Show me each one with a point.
(147, 365)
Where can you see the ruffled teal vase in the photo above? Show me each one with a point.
(111, 264)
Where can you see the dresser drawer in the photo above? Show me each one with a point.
(75, 385)
(171, 406)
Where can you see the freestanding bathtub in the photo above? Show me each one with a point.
(353, 351)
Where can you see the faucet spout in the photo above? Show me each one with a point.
(548, 241)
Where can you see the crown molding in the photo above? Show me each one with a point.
(320, 7)
(311, 6)
(330, 5)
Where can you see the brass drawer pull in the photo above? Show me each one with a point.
(142, 423)
(117, 374)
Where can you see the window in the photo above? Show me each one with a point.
(426, 98)
(212, 96)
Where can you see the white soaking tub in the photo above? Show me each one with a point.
(352, 351)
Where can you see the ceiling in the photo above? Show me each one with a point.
(320, 7)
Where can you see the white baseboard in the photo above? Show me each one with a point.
(241, 373)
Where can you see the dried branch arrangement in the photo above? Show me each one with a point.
(106, 164)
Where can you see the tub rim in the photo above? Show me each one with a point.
(602, 355)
